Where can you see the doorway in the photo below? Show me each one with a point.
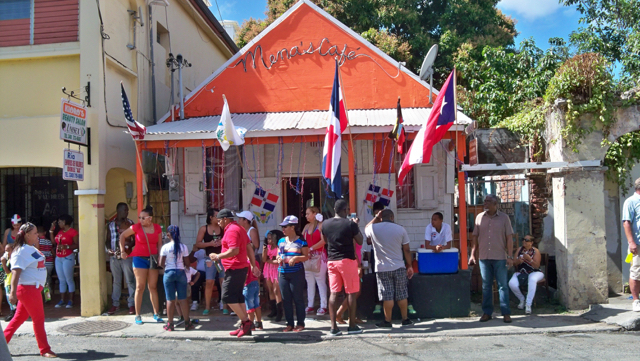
(314, 193)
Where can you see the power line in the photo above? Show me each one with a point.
(219, 13)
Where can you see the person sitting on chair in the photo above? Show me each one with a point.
(527, 262)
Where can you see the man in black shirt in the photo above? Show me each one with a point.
(339, 233)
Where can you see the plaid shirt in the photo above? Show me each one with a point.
(115, 234)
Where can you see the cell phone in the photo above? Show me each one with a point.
(351, 216)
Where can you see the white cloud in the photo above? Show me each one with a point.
(530, 9)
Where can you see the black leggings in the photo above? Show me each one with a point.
(195, 289)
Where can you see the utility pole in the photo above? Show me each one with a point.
(174, 64)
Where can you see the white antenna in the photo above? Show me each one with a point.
(426, 70)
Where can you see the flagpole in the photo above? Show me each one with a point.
(352, 169)
(141, 182)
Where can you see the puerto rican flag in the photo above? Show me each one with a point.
(333, 139)
(442, 117)
(136, 129)
(265, 200)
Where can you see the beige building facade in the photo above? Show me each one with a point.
(113, 43)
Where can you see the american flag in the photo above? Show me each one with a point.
(136, 129)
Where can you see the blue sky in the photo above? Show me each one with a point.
(540, 19)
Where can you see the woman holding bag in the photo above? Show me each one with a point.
(145, 259)
(315, 269)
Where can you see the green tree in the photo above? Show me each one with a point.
(503, 82)
(611, 28)
(406, 29)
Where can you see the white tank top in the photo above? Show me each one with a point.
(259, 250)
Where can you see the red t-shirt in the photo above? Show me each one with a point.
(67, 239)
(250, 276)
(141, 249)
(235, 237)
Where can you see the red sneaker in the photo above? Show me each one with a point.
(246, 329)
(132, 310)
(113, 310)
(236, 332)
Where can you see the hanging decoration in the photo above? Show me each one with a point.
(375, 194)
(266, 204)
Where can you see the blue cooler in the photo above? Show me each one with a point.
(430, 262)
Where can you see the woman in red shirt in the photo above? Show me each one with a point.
(145, 232)
(318, 259)
(66, 241)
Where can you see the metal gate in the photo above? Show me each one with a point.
(38, 195)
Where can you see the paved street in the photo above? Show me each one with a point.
(601, 346)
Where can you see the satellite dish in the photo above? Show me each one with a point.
(427, 65)
(426, 70)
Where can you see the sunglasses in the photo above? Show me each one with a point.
(527, 240)
(143, 218)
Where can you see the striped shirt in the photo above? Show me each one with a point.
(288, 250)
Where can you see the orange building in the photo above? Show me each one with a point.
(278, 88)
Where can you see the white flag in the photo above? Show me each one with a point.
(227, 133)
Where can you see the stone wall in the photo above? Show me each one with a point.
(539, 201)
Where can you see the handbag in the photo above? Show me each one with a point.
(153, 262)
(314, 263)
(523, 281)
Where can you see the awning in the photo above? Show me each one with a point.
(296, 124)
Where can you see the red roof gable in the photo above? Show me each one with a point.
(290, 67)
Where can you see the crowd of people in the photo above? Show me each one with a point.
(325, 255)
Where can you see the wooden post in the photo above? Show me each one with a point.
(352, 179)
(462, 205)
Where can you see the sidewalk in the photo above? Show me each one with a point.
(216, 327)
(618, 312)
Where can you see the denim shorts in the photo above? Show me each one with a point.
(141, 262)
(212, 273)
(251, 295)
(175, 280)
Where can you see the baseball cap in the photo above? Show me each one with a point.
(244, 214)
(289, 220)
(225, 213)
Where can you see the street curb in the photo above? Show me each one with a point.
(317, 336)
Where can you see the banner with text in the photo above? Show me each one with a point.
(73, 122)
(73, 169)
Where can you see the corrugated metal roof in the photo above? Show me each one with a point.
(256, 123)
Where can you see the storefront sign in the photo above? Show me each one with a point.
(473, 152)
(73, 168)
(323, 49)
(73, 123)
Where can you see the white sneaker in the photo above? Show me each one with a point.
(194, 306)
(636, 305)
(528, 310)
(521, 305)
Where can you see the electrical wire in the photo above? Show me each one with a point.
(219, 13)
(104, 37)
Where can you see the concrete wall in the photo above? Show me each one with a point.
(581, 257)
(612, 205)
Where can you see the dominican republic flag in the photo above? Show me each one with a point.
(397, 133)
(377, 193)
(333, 139)
(442, 116)
(136, 129)
(265, 200)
